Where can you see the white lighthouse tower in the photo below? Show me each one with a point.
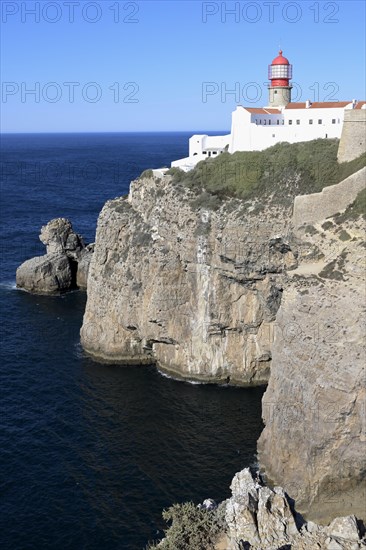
(279, 74)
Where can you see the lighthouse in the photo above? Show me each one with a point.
(279, 74)
(255, 128)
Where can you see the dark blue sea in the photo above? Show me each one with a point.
(91, 454)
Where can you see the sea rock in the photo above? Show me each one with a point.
(64, 267)
(59, 237)
(45, 274)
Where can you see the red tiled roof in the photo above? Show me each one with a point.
(262, 111)
(302, 105)
(319, 105)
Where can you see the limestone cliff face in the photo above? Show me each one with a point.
(314, 442)
(223, 295)
(193, 289)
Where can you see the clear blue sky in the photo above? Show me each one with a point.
(163, 53)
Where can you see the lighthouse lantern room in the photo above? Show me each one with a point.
(279, 74)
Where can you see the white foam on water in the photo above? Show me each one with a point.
(9, 285)
(193, 382)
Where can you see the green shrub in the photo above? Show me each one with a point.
(206, 200)
(344, 236)
(177, 173)
(280, 172)
(191, 528)
(146, 174)
(310, 230)
(327, 225)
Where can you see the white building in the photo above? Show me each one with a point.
(255, 129)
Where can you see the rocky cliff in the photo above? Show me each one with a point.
(191, 288)
(241, 291)
(314, 442)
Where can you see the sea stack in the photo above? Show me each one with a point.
(65, 265)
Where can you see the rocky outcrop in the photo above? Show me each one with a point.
(45, 274)
(65, 265)
(314, 441)
(260, 518)
(193, 289)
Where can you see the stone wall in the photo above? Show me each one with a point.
(353, 139)
(333, 199)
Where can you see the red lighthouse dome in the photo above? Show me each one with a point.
(280, 71)
(280, 60)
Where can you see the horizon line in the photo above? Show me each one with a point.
(110, 132)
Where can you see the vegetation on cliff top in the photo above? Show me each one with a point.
(191, 527)
(280, 172)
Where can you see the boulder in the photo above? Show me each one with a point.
(45, 274)
(64, 267)
(344, 528)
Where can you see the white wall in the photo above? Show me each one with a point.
(196, 144)
(200, 143)
(240, 131)
(255, 132)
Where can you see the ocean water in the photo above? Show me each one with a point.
(90, 454)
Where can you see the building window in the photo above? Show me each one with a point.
(297, 122)
(278, 122)
(339, 121)
(320, 121)
(260, 122)
(264, 121)
(283, 122)
(204, 152)
(333, 120)
(290, 122)
(273, 135)
(275, 91)
(269, 122)
(214, 152)
(311, 121)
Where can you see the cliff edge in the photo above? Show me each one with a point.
(314, 441)
(188, 287)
